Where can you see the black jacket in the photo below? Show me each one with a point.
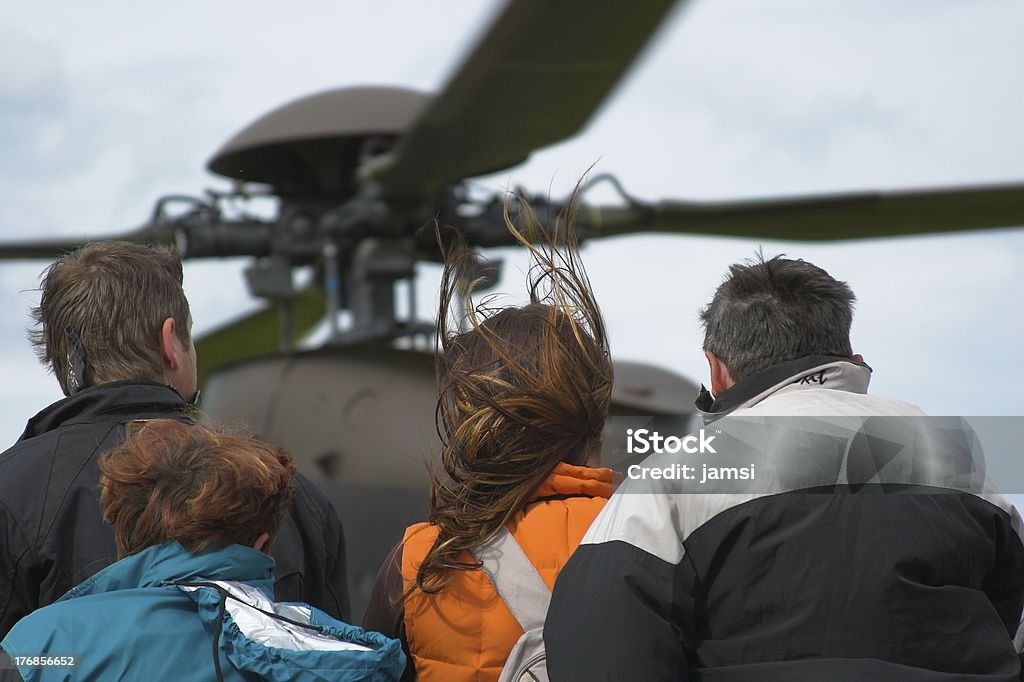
(52, 534)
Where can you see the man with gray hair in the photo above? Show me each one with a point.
(773, 319)
(114, 327)
(865, 549)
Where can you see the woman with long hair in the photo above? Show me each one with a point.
(523, 399)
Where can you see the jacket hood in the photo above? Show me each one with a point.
(170, 562)
(116, 402)
(290, 641)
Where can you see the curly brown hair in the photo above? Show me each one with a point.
(522, 390)
(199, 486)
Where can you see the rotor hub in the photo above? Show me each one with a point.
(313, 146)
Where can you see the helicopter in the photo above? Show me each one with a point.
(363, 226)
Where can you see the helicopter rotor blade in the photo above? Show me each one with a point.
(535, 78)
(862, 215)
(39, 249)
(257, 334)
(51, 249)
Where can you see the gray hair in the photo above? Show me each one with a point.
(771, 311)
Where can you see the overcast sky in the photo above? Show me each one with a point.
(105, 106)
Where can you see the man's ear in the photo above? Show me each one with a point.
(721, 380)
(167, 352)
(857, 357)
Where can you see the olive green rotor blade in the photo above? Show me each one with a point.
(258, 333)
(822, 218)
(535, 78)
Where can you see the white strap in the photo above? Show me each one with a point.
(514, 577)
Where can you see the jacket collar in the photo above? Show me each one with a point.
(115, 402)
(568, 479)
(158, 564)
(813, 371)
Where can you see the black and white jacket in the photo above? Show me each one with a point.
(870, 548)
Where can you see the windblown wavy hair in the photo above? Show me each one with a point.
(521, 390)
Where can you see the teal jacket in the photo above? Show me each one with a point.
(156, 615)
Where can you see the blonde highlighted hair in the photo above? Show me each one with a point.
(522, 390)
